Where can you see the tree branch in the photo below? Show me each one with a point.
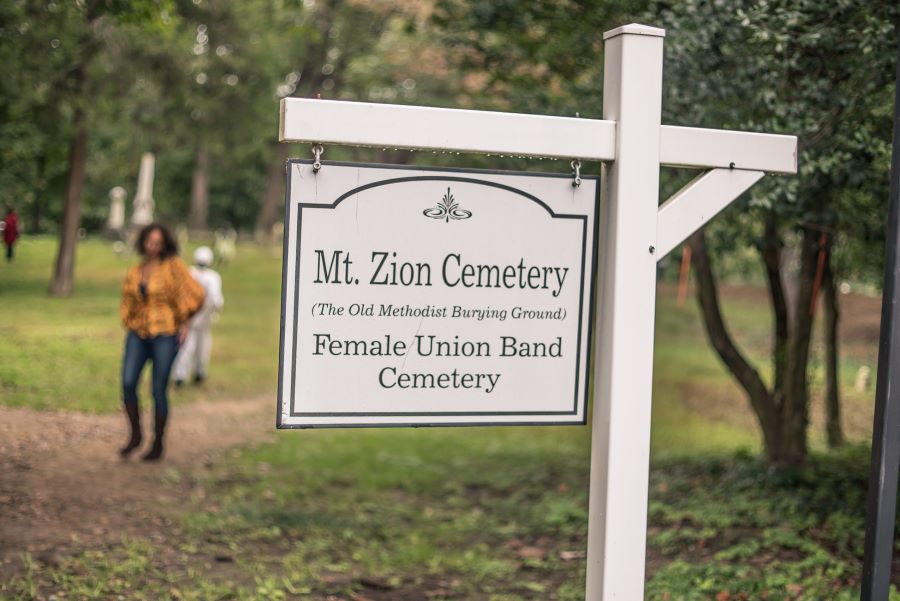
(833, 428)
(795, 406)
(708, 298)
(771, 255)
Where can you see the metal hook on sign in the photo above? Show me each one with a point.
(576, 170)
(317, 149)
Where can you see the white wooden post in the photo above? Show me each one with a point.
(620, 440)
(637, 232)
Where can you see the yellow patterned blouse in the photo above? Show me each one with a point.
(172, 295)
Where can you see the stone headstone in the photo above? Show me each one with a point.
(182, 235)
(225, 246)
(863, 378)
(143, 198)
(116, 220)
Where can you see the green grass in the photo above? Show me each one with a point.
(463, 513)
(478, 514)
(65, 353)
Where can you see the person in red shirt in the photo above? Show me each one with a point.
(10, 231)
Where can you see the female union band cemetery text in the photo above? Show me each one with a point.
(386, 270)
(425, 345)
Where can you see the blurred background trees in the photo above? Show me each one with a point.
(98, 83)
(824, 73)
(87, 87)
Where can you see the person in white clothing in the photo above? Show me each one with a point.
(193, 356)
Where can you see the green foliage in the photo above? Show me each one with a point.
(733, 529)
(821, 71)
(58, 56)
(536, 56)
(176, 76)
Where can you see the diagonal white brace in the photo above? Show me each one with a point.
(691, 207)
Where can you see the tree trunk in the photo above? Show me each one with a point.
(795, 403)
(833, 430)
(198, 217)
(271, 208)
(64, 274)
(783, 411)
(790, 267)
(771, 254)
(40, 188)
(761, 400)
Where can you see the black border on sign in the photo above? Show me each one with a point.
(440, 178)
(585, 256)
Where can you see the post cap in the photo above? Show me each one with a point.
(635, 29)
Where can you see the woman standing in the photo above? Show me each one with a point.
(158, 297)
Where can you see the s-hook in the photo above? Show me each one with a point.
(317, 150)
(576, 170)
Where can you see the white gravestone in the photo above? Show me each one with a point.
(116, 220)
(143, 198)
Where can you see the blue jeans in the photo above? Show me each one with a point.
(161, 350)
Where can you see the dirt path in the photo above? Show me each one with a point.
(63, 486)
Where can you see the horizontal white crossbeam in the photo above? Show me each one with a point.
(705, 148)
(457, 130)
(419, 127)
(698, 202)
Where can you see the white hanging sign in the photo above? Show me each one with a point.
(416, 297)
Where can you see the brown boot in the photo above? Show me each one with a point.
(156, 450)
(134, 420)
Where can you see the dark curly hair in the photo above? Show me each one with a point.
(170, 246)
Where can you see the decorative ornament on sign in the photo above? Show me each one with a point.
(447, 209)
